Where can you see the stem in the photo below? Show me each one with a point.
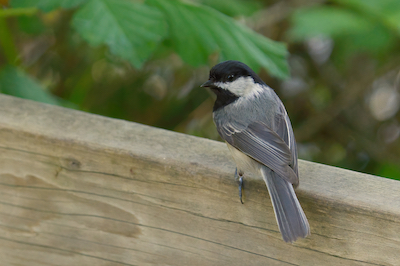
(12, 12)
(6, 39)
(7, 43)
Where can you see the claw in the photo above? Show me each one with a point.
(239, 177)
(241, 188)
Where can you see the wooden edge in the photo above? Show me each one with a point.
(336, 185)
(354, 217)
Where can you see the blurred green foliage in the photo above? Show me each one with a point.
(15, 82)
(144, 60)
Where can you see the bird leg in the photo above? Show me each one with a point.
(239, 178)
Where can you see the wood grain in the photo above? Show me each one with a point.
(81, 189)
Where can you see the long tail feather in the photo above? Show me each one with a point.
(289, 215)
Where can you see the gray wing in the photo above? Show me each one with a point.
(284, 129)
(266, 146)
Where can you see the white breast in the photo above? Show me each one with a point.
(244, 163)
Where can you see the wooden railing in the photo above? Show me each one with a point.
(82, 189)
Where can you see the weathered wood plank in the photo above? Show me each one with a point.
(81, 189)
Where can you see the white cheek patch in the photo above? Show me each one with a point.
(243, 86)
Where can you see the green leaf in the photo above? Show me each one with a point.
(380, 7)
(131, 30)
(326, 21)
(15, 82)
(46, 5)
(234, 8)
(353, 32)
(196, 32)
(386, 11)
(377, 40)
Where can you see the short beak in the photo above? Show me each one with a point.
(208, 83)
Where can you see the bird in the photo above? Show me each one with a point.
(252, 120)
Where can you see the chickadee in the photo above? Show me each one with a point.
(253, 121)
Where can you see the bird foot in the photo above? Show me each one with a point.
(239, 178)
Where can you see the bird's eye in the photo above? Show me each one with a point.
(231, 77)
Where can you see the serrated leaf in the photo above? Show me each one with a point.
(46, 5)
(15, 82)
(131, 30)
(234, 8)
(197, 31)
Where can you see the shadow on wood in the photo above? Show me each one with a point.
(81, 189)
